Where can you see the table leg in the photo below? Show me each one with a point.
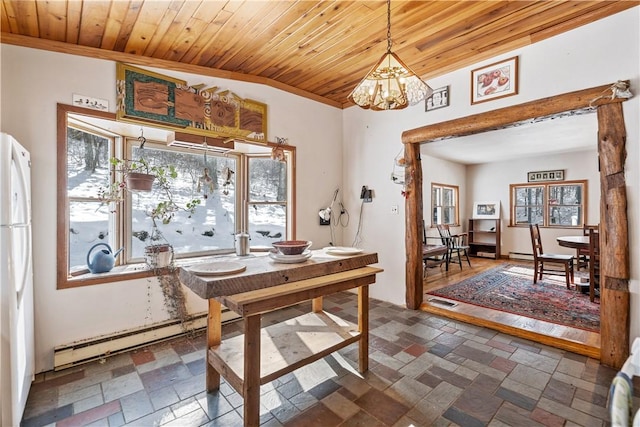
(251, 383)
(363, 327)
(214, 336)
(316, 305)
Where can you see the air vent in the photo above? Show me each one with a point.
(442, 302)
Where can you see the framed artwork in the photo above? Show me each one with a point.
(486, 210)
(438, 99)
(147, 97)
(494, 81)
(537, 176)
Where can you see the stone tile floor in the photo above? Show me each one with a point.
(424, 370)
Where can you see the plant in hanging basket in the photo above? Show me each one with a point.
(139, 175)
(139, 181)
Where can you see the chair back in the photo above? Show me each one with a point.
(536, 240)
(594, 262)
(424, 233)
(445, 233)
(594, 249)
(586, 228)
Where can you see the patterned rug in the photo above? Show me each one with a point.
(510, 288)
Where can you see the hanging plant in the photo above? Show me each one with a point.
(159, 253)
(162, 175)
(137, 181)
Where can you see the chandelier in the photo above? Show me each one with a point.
(390, 85)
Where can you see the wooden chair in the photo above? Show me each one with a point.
(594, 263)
(582, 255)
(433, 253)
(540, 258)
(457, 244)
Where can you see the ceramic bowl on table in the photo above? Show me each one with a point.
(292, 247)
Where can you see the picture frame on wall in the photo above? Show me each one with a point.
(486, 210)
(438, 99)
(554, 175)
(494, 81)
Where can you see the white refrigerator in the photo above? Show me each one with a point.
(17, 355)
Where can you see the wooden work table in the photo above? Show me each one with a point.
(264, 354)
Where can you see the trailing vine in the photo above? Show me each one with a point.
(172, 290)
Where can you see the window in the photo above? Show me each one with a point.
(211, 228)
(248, 191)
(444, 204)
(268, 195)
(549, 204)
(90, 222)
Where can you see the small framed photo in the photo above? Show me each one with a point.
(494, 81)
(438, 99)
(486, 210)
(555, 175)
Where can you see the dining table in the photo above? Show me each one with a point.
(574, 242)
(257, 284)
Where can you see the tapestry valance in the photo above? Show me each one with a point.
(148, 97)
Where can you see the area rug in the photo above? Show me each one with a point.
(510, 288)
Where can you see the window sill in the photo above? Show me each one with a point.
(121, 273)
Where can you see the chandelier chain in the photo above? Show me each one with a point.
(388, 25)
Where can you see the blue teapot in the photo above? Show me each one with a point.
(103, 260)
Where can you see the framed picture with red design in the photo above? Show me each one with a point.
(494, 81)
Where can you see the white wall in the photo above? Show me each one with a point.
(600, 53)
(490, 181)
(34, 81)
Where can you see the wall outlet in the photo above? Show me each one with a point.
(394, 209)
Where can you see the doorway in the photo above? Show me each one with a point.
(613, 217)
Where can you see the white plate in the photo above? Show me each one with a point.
(342, 250)
(290, 259)
(218, 268)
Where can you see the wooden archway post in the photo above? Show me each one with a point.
(413, 225)
(614, 245)
(614, 239)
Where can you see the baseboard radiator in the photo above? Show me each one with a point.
(79, 352)
(521, 256)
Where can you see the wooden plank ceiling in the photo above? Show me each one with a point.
(317, 49)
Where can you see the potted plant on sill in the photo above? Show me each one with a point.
(159, 252)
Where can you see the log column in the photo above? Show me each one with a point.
(413, 225)
(614, 238)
